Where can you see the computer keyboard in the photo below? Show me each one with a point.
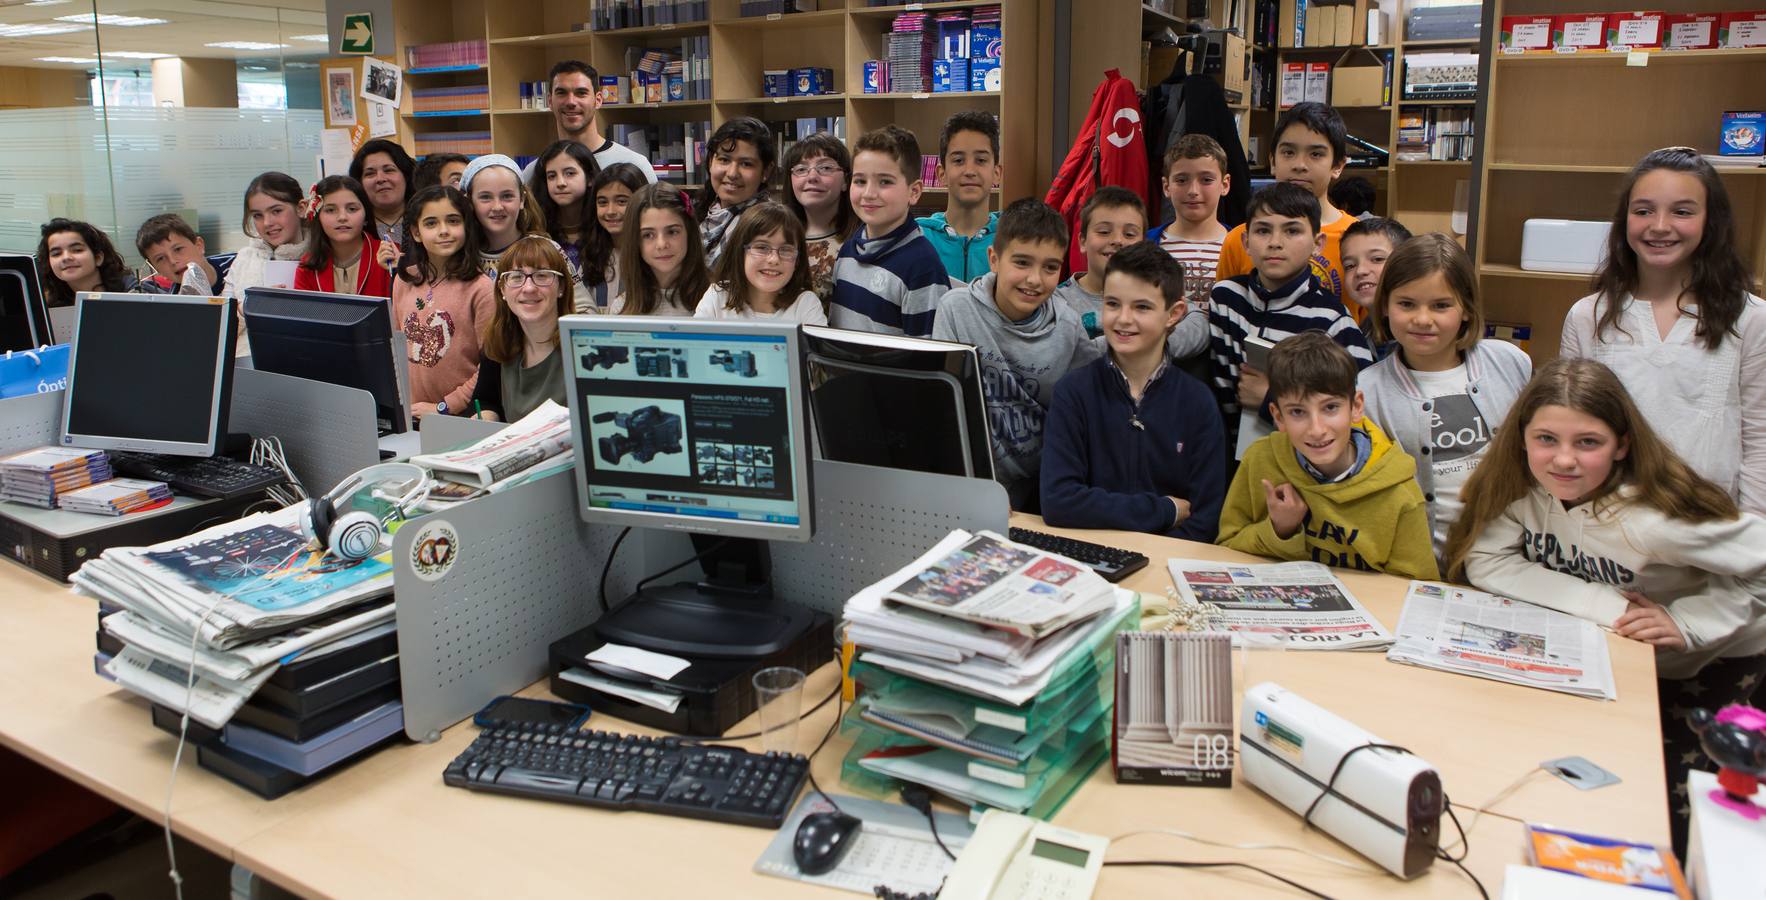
(668, 775)
(221, 477)
(1109, 562)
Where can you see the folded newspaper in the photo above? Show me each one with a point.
(986, 579)
(1301, 601)
(534, 438)
(1473, 633)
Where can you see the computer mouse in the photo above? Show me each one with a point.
(822, 840)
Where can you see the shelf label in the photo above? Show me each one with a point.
(915, 7)
(921, 96)
(668, 26)
(774, 17)
(1637, 58)
(780, 99)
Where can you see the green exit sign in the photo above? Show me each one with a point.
(358, 33)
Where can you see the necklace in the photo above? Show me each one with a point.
(428, 296)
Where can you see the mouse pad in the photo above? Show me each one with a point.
(894, 847)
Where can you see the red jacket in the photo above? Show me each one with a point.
(1109, 149)
(372, 280)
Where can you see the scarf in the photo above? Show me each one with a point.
(718, 221)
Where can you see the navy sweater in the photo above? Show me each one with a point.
(1108, 462)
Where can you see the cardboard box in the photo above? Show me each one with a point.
(1321, 26)
(1627, 31)
(1690, 31)
(1293, 88)
(1523, 34)
(1742, 29)
(1359, 85)
(1579, 32)
(1377, 27)
(1318, 82)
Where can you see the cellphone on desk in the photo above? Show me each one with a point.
(506, 709)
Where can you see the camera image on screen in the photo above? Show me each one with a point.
(740, 362)
(649, 431)
(656, 362)
(605, 358)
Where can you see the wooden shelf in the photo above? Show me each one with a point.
(447, 114)
(1444, 42)
(1161, 19)
(445, 70)
(1504, 270)
(1335, 49)
(819, 19)
(1607, 170)
(783, 101)
(1656, 57)
(948, 95)
(667, 104)
(1437, 102)
(1433, 162)
(638, 31)
(517, 111)
(890, 12)
(547, 40)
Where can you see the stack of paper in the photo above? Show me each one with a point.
(116, 497)
(39, 477)
(541, 435)
(1473, 633)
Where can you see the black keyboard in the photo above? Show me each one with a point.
(198, 476)
(628, 772)
(1109, 562)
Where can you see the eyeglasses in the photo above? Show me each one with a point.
(826, 170)
(785, 252)
(542, 278)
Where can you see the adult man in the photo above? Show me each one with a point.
(575, 100)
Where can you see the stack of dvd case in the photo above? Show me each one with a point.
(39, 477)
(910, 49)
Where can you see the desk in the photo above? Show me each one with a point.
(387, 826)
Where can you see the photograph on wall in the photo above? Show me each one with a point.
(340, 98)
(382, 82)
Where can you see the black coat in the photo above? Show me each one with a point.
(1195, 104)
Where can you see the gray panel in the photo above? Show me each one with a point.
(447, 432)
(327, 431)
(31, 421)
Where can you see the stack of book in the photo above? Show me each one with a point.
(449, 55)
(117, 497)
(39, 477)
(910, 49)
(985, 667)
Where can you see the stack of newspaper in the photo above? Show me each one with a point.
(1473, 633)
(232, 602)
(511, 455)
(39, 477)
(117, 497)
(1299, 602)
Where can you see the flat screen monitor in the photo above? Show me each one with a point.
(898, 402)
(151, 373)
(24, 321)
(689, 424)
(341, 339)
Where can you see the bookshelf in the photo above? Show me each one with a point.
(1553, 147)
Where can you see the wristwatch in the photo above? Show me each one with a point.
(441, 407)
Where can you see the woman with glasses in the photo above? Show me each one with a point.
(522, 367)
(821, 170)
(765, 272)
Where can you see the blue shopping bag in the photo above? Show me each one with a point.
(39, 371)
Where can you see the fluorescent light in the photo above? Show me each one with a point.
(68, 59)
(133, 54)
(315, 38)
(19, 31)
(47, 2)
(108, 19)
(246, 45)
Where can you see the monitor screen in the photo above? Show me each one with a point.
(340, 339)
(150, 373)
(24, 323)
(689, 424)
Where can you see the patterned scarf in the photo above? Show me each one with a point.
(718, 221)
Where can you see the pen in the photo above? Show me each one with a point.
(475, 410)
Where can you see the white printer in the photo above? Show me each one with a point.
(1563, 245)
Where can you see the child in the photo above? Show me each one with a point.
(740, 163)
(1280, 298)
(969, 169)
(1132, 442)
(439, 168)
(1025, 342)
(821, 171)
(1672, 316)
(1364, 248)
(522, 367)
(442, 300)
(1583, 508)
(1328, 486)
(613, 190)
(1354, 196)
(276, 231)
(1311, 148)
(502, 204)
(765, 273)
(1444, 391)
(384, 170)
(1195, 179)
(561, 188)
(171, 247)
(889, 277)
(74, 256)
(660, 255)
(1111, 219)
(342, 255)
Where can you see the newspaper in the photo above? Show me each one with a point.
(241, 663)
(987, 579)
(1302, 601)
(1473, 633)
(212, 702)
(529, 441)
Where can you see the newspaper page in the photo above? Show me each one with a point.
(529, 441)
(987, 579)
(212, 702)
(1473, 633)
(1302, 601)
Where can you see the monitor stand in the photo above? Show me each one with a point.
(732, 614)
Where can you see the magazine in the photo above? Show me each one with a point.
(1473, 633)
(987, 579)
(529, 441)
(1301, 601)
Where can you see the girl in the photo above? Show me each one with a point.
(613, 190)
(660, 255)
(1672, 317)
(765, 273)
(442, 300)
(741, 165)
(273, 222)
(1443, 391)
(561, 187)
(384, 170)
(821, 170)
(1581, 507)
(522, 367)
(342, 252)
(74, 256)
(504, 207)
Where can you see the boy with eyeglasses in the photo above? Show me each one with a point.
(969, 169)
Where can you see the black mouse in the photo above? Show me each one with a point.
(822, 841)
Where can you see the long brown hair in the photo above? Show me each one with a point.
(503, 338)
(642, 292)
(759, 221)
(465, 264)
(1418, 258)
(1658, 477)
(1719, 279)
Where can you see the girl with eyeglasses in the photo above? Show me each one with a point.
(442, 300)
(522, 367)
(821, 169)
(765, 272)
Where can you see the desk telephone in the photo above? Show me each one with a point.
(1011, 856)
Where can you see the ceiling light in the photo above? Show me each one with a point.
(315, 38)
(246, 45)
(47, 2)
(68, 59)
(19, 31)
(133, 54)
(108, 19)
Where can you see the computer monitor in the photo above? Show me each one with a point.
(24, 321)
(898, 402)
(341, 339)
(693, 425)
(152, 373)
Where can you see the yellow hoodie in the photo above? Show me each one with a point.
(1375, 521)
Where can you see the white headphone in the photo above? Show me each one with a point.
(357, 535)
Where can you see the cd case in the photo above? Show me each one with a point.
(1174, 709)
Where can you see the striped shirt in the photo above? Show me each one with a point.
(1240, 306)
(1199, 258)
(889, 284)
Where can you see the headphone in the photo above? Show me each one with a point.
(356, 535)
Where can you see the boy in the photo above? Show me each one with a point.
(1366, 244)
(1329, 487)
(1311, 148)
(1280, 298)
(888, 277)
(969, 168)
(1131, 441)
(1025, 342)
(1113, 218)
(1195, 179)
(171, 246)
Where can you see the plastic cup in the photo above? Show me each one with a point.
(778, 692)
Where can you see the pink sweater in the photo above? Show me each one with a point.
(444, 324)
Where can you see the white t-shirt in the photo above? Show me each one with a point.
(667, 305)
(606, 155)
(1458, 437)
(806, 310)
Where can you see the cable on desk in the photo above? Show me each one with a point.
(1460, 860)
(918, 797)
(607, 565)
(1335, 861)
(1183, 864)
(1484, 807)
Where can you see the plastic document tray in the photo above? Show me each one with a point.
(965, 778)
(921, 705)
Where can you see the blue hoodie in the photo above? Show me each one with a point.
(889, 284)
(964, 257)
